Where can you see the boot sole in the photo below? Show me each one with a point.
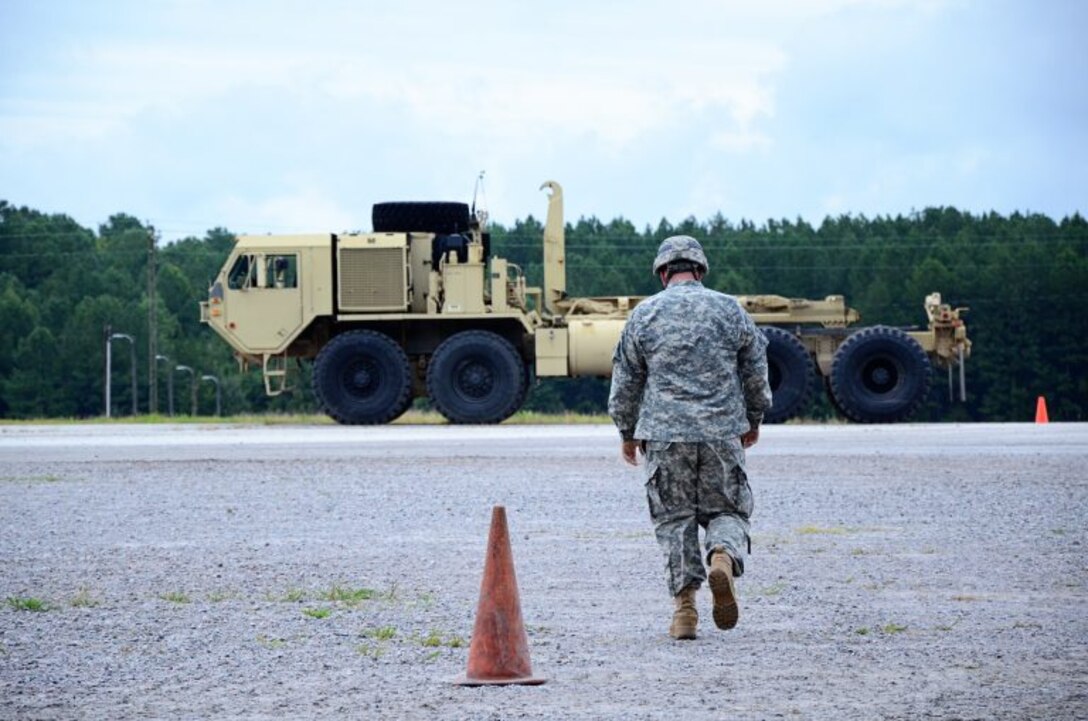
(726, 613)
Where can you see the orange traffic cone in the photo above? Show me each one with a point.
(1040, 411)
(499, 652)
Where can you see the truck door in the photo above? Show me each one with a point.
(263, 303)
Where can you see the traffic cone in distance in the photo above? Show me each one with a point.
(499, 652)
(1040, 411)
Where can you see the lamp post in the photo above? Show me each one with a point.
(109, 367)
(218, 393)
(169, 384)
(192, 386)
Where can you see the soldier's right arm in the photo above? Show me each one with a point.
(628, 382)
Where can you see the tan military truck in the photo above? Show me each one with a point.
(421, 308)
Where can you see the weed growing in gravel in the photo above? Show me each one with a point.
(83, 599)
(863, 631)
(291, 595)
(175, 597)
(892, 628)
(349, 596)
(432, 657)
(369, 650)
(811, 530)
(434, 639)
(219, 596)
(317, 612)
(383, 633)
(28, 604)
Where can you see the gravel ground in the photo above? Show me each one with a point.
(898, 572)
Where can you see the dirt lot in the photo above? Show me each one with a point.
(898, 572)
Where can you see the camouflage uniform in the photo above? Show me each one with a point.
(689, 377)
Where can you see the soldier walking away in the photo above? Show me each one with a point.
(689, 389)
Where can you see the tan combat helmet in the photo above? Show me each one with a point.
(680, 247)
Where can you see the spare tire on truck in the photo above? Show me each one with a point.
(791, 372)
(420, 217)
(879, 375)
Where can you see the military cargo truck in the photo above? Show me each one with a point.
(420, 307)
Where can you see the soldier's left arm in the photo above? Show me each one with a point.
(752, 369)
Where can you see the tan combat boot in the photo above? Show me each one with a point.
(720, 577)
(685, 617)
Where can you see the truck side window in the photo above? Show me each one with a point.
(243, 274)
(282, 271)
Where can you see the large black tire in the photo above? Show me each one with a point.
(477, 376)
(441, 218)
(362, 377)
(879, 375)
(792, 374)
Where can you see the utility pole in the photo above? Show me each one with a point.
(152, 325)
(108, 330)
(192, 386)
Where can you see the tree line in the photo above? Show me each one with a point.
(1023, 276)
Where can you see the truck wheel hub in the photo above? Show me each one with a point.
(475, 380)
(881, 377)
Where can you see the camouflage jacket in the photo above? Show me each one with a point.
(691, 365)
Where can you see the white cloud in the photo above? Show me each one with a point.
(304, 210)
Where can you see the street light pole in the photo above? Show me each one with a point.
(109, 367)
(218, 394)
(192, 386)
(169, 384)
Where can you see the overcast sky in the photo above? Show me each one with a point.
(277, 116)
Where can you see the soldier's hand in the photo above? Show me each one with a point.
(749, 439)
(629, 452)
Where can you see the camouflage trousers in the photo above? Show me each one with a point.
(689, 485)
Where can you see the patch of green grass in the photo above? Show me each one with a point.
(270, 642)
(863, 631)
(431, 657)
(892, 628)
(773, 590)
(44, 478)
(175, 597)
(811, 530)
(350, 596)
(83, 599)
(26, 603)
(317, 612)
